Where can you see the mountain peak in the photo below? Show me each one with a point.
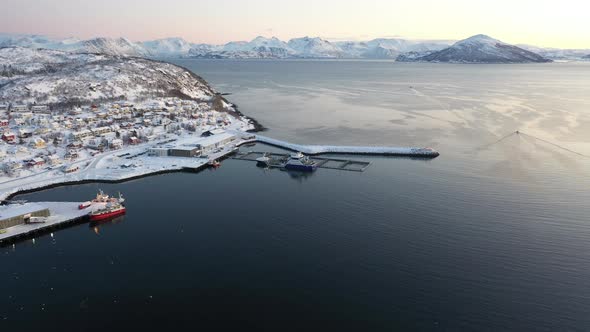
(479, 39)
(483, 49)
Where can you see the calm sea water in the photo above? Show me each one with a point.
(489, 236)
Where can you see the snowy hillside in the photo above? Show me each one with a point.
(118, 46)
(482, 49)
(56, 77)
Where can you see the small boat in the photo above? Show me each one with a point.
(299, 162)
(263, 161)
(214, 163)
(111, 210)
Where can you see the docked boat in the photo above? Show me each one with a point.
(263, 161)
(101, 197)
(299, 162)
(214, 163)
(111, 210)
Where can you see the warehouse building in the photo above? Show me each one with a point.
(12, 215)
(185, 151)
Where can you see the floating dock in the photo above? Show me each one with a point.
(329, 163)
(336, 149)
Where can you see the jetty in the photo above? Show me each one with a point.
(342, 149)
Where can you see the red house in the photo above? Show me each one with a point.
(4, 122)
(8, 136)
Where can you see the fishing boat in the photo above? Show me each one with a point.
(300, 162)
(110, 210)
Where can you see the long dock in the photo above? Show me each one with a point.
(328, 163)
(61, 213)
(337, 149)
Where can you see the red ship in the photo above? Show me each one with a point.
(112, 207)
(111, 210)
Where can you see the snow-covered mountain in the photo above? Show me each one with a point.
(167, 47)
(482, 49)
(62, 78)
(388, 48)
(307, 47)
(113, 46)
(556, 53)
(259, 47)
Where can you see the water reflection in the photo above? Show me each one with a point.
(97, 225)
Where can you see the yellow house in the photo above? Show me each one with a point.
(38, 143)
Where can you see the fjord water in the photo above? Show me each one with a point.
(488, 236)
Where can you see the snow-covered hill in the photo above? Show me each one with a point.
(57, 77)
(482, 49)
(112, 46)
(118, 46)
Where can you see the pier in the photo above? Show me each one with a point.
(59, 214)
(328, 163)
(338, 149)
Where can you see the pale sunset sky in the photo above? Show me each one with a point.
(562, 24)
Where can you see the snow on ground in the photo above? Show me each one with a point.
(59, 212)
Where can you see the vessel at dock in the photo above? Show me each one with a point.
(112, 207)
(111, 210)
(299, 162)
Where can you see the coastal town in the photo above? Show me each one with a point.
(41, 146)
(39, 143)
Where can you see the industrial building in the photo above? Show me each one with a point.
(12, 215)
(203, 146)
(185, 151)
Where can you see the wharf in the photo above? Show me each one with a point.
(329, 163)
(61, 213)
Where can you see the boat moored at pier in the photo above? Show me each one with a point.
(111, 210)
(300, 162)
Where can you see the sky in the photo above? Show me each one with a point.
(561, 24)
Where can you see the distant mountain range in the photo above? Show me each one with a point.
(476, 49)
